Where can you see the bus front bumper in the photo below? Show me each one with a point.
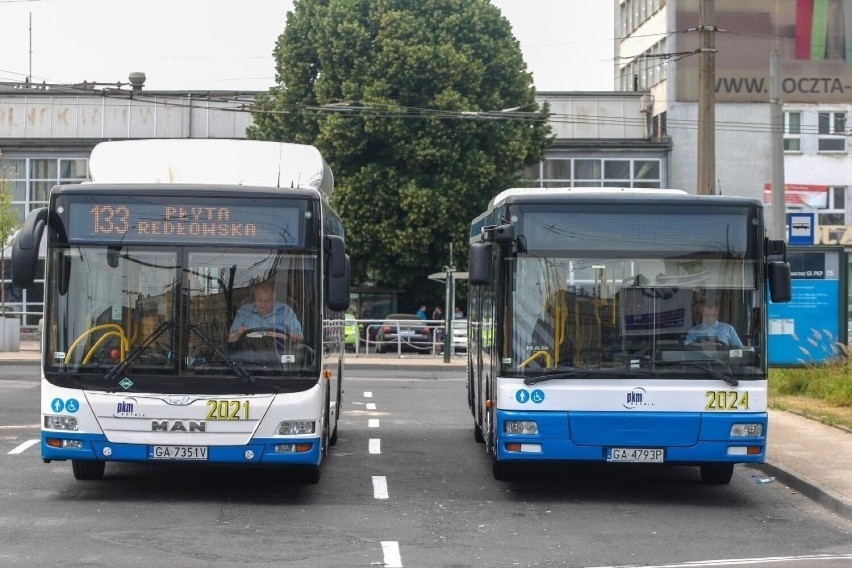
(281, 451)
(684, 438)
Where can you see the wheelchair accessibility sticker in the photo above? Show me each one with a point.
(523, 396)
(71, 405)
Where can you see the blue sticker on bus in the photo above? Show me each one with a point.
(537, 396)
(522, 396)
(71, 405)
(57, 405)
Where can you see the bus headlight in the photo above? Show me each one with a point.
(296, 427)
(60, 422)
(746, 430)
(520, 427)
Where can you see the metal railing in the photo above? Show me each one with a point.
(368, 337)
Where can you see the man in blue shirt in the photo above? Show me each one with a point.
(265, 312)
(712, 330)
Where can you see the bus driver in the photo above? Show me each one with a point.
(712, 330)
(278, 319)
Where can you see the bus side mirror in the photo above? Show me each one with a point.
(479, 264)
(780, 284)
(337, 275)
(113, 256)
(25, 248)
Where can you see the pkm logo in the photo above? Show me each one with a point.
(636, 398)
(125, 408)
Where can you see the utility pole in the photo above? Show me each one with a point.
(707, 98)
(778, 225)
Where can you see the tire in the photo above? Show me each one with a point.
(311, 474)
(717, 473)
(477, 434)
(503, 470)
(88, 470)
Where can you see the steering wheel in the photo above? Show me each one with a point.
(258, 332)
(707, 344)
(301, 351)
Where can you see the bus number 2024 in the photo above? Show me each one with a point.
(726, 400)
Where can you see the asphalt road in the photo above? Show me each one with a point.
(406, 485)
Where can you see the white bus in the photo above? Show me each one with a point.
(153, 347)
(585, 310)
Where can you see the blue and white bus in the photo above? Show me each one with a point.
(146, 269)
(581, 304)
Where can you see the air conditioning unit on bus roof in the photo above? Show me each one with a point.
(204, 161)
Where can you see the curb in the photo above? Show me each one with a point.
(828, 498)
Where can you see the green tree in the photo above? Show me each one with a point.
(8, 224)
(424, 110)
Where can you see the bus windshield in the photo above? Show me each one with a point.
(165, 319)
(668, 316)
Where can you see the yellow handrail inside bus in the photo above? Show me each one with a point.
(114, 326)
(102, 340)
(548, 360)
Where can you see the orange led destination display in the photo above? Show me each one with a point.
(144, 222)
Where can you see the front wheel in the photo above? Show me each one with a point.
(503, 470)
(717, 473)
(88, 469)
(477, 434)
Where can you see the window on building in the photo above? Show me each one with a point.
(834, 212)
(793, 131)
(646, 173)
(31, 180)
(587, 173)
(616, 173)
(832, 131)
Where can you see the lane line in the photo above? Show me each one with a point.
(373, 423)
(371, 406)
(375, 446)
(740, 561)
(368, 394)
(20, 427)
(26, 445)
(380, 487)
(390, 550)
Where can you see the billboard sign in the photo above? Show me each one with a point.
(813, 37)
(807, 329)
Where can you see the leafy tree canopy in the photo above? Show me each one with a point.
(424, 110)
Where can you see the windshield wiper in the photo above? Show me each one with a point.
(582, 374)
(138, 350)
(706, 368)
(233, 365)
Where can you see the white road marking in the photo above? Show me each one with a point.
(390, 550)
(26, 445)
(740, 561)
(20, 427)
(375, 446)
(380, 487)
(368, 394)
(371, 406)
(373, 423)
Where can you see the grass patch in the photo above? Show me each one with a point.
(822, 392)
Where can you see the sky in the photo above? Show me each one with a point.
(227, 44)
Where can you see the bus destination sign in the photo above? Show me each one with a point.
(144, 222)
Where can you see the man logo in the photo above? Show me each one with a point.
(178, 426)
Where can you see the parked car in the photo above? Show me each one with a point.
(459, 336)
(350, 332)
(406, 330)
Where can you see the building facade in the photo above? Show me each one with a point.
(656, 52)
(47, 135)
